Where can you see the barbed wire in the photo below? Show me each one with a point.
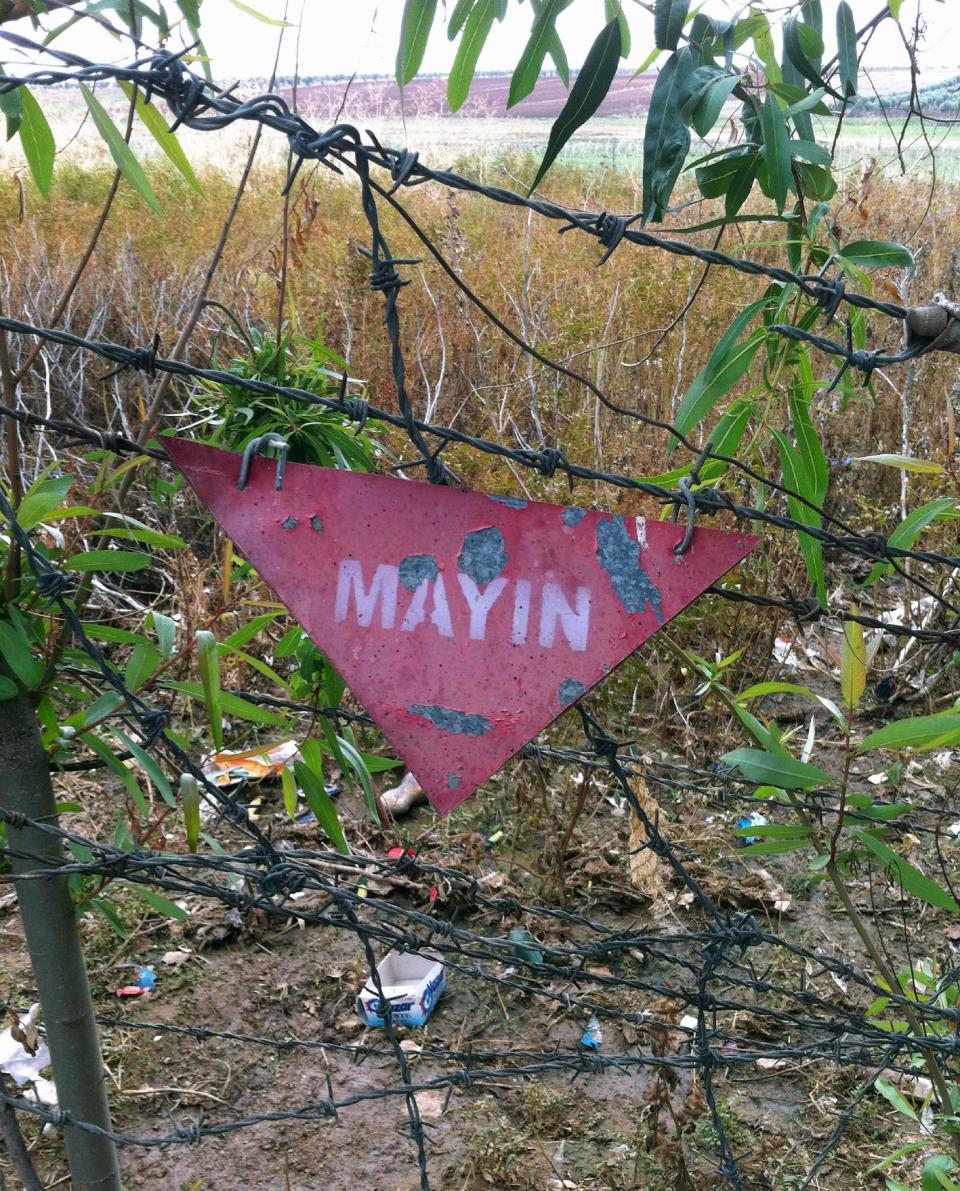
(728, 970)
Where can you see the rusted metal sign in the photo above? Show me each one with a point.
(464, 623)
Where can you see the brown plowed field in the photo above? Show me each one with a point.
(628, 96)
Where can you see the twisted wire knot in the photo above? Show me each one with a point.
(548, 460)
(385, 279)
(610, 231)
(153, 721)
(401, 167)
(52, 584)
(829, 296)
(282, 878)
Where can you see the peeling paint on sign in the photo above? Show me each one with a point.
(483, 556)
(316, 524)
(416, 568)
(619, 556)
(510, 502)
(459, 723)
(290, 523)
(570, 691)
(573, 517)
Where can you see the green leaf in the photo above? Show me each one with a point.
(761, 689)
(592, 83)
(103, 907)
(44, 498)
(8, 689)
(776, 830)
(231, 705)
(542, 36)
(260, 16)
(770, 770)
(666, 138)
(935, 1175)
(149, 766)
(143, 663)
(18, 656)
(804, 48)
(847, 48)
(126, 163)
(924, 467)
(919, 732)
(775, 847)
(909, 529)
(776, 150)
(290, 797)
(911, 879)
(613, 10)
(161, 904)
(208, 660)
(894, 7)
(166, 631)
(878, 254)
(107, 560)
(321, 804)
(472, 40)
(795, 478)
(853, 664)
(668, 20)
(809, 448)
(717, 379)
(12, 109)
(896, 1098)
(37, 142)
(155, 124)
(418, 17)
(708, 108)
(356, 763)
(190, 805)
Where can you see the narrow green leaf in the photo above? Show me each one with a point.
(208, 660)
(161, 904)
(809, 447)
(804, 48)
(418, 17)
(896, 1098)
(853, 664)
(704, 393)
(166, 631)
(910, 878)
(775, 847)
(190, 805)
(37, 142)
(769, 770)
(666, 138)
(878, 254)
(909, 529)
(542, 35)
(847, 48)
(924, 467)
(126, 163)
(668, 21)
(149, 766)
(155, 124)
(776, 150)
(321, 804)
(918, 732)
(126, 775)
(613, 10)
(710, 105)
(356, 763)
(472, 40)
(794, 831)
(290, 796)
(107, 560)
(231, 705)
(796, 480)
(762, 689)
(592, 83)
(260, 16)
(103, 907)
(8, 689)
(894, 7)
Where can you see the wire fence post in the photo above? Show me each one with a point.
(50, 928)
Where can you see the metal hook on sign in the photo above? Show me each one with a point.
(686, 491)
(256, 446)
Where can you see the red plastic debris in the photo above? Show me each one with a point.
(463, 623)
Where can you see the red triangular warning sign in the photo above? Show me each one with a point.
(463, 623)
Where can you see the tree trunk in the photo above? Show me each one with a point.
(50, 927)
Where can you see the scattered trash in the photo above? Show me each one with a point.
(754, 819)
(132, 990)
(779, 897)
(404, 797)
(592, 1036)
(229, 768)
(689, 1021)
(175, 958)
(23, 1053)
(497, 837)
(521, 937)
(431, 1105)
(396, 855)
(412, 984)
(148, 979)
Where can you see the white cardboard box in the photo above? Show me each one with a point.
(412, 983)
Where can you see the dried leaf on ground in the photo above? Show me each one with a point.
(644, 866)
